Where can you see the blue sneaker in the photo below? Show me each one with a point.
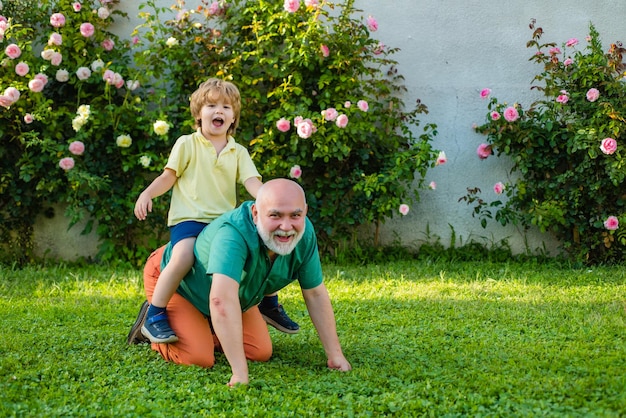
(158, 330)
(278, 318)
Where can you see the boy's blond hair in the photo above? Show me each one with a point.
(212, 90)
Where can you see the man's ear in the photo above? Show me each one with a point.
(254, 211)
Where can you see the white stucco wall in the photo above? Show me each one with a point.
(452, 49)
(449, 51)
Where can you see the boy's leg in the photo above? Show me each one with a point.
(196, 343)
(274, 314)
(156, 326)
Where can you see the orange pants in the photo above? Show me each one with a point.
(196, 341)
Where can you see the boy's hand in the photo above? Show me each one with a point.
(142, 207)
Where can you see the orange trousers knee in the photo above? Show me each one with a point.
(197, 343)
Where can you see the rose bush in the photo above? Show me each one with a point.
(321, 99)
(88, 118)
(567, 149)
(69, 95)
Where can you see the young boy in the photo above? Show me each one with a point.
(203, 170)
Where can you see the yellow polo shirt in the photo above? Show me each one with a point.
(207, 183)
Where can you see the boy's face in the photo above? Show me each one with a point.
(216, 118)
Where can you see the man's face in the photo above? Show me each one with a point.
(280, 223)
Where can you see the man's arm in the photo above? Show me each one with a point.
(321, 313)
(225, 311)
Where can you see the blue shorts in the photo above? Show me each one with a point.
(184, 230)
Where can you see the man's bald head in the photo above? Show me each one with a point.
(281, 190)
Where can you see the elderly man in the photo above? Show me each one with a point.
(254, 250)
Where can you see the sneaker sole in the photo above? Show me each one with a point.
(279, 327)
(135, 336)
(168, 340)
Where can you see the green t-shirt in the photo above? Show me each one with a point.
(230, 245)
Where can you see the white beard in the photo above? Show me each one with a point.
(277, 247)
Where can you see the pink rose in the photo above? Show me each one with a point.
(36, 85)
(498, 187)
(441, 158)
(510, 114)
(13, 51)
(109, 77)
(325, 51)
(56, 59)
(568, 62)
(363, 105)
(571, 42)
(347, 104)
(66, 163)
(484, 93)
(403, 209)
(495, 115)
(305, 129)
(291, 5)
(554, 51)
(311, 3)
(118, 81)
(611, 223)
(83, 73)
(432, 185)
(593, 94)
(295, 172)
(372, 24)
(87, 29)
(283, 125)
(42, 77)
(379, 49)
(57, 20)
(608, 145)
(22, 69)
(330, 114)
(12, 93)
(5, 101)
(483, 151)
(562, 98)
(28, 118)
(77, 148)
(342, 121)
(214, 8)
(108, 44)
(77, 6)
(55, 39)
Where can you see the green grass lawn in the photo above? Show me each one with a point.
(424, 339)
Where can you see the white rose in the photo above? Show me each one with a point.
(124, 141)
(97, 65)
(171, 42)
(145, 161)
(84, 111)
(62, 76)
(103, 13)
(161, 127)
(47, 54)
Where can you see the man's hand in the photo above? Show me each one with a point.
(238, 380)
(340, 363)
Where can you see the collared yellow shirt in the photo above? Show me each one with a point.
(207, 182)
